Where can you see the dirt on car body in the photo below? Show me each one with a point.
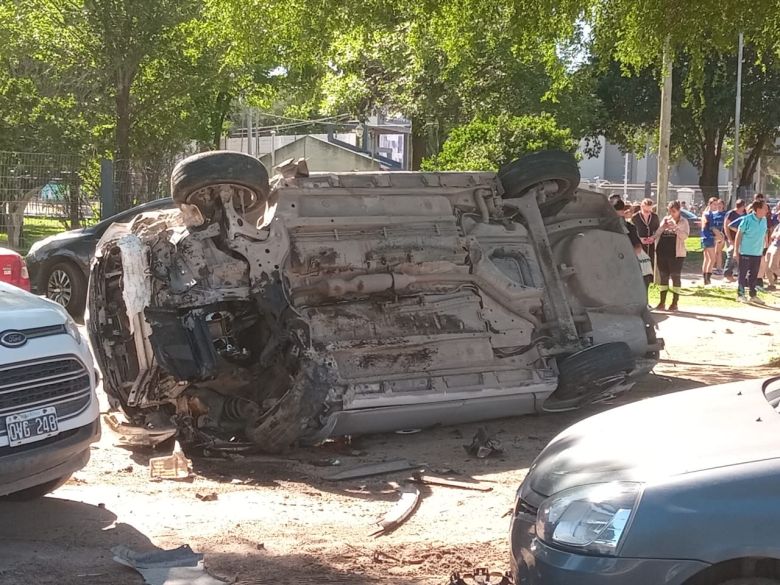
(262, 313)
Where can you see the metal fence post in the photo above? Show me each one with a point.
(107, 205)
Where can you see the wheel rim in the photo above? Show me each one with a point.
(59, 287)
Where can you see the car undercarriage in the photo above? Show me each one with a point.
(263, 313)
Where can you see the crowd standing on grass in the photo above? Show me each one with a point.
(741, 244)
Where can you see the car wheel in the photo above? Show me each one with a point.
(192, 177)
(36, 491)
(556, 166)
(64, 284)
(588, 374)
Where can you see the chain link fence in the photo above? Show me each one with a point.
(45, 193)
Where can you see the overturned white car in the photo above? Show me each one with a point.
(260, 313)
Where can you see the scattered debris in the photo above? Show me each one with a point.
(138, 436)
(483, 445)
(178, 566)
(173, 466)
(408, 431)
(325, 462)
(209, 497)
(380, 556)
(443, 481)
(480, 576)
(410, 497)
(369, 469)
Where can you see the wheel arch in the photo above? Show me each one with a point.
(718, 573)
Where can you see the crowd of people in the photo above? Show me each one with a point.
(746, 237)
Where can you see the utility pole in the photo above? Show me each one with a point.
(250, 146)
(625, 177)
(666, 129)
(735, 178)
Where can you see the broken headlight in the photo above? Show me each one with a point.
(72, 329)
(590, 518)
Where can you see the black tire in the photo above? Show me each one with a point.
(218, 168)
(750, 581)
(36, 491)
(65, 284)
(548, 165)
(586, 375)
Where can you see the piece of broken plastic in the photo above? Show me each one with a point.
(173, 466)
(177, 566)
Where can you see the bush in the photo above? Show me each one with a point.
(485, 144)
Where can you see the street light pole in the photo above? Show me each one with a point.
(735, 178)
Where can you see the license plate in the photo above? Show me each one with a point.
(33, 425)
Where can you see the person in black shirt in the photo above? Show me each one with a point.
(647, 223)
(622, 210)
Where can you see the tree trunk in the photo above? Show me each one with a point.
(15, 218)
(74, 206)
(710, 162)
(122, 155)
(218, 115)
(419, 144)
(751, 161)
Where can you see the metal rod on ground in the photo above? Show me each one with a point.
(737, 116)
(666, 129)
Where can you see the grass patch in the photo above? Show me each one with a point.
(700, 296)
(36, 228)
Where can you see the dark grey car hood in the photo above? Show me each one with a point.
(679, 433)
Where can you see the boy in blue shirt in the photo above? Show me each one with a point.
(749, 244)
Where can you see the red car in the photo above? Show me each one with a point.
(13, 270)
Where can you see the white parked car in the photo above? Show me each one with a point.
(48, 408)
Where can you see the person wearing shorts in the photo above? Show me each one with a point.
(709, 240)
(750, 244)
(670, 254)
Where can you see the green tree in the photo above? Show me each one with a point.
(486, 144)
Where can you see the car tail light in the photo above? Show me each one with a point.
(24, 276)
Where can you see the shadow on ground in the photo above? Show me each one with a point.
(53, 541)
(439, 450)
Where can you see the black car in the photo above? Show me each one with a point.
(59, 265)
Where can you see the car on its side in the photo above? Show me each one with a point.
(59, 265)
(48, 408)
(266, 312)
(13, 269)
(682, 489)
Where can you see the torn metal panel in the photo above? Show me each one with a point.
(371, 469)
(344, 303)
(400, 512)
(178, 566)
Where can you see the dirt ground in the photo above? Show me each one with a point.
(278, 521)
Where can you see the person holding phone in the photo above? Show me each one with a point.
(670, 253)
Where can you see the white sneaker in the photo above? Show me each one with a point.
(742, 299)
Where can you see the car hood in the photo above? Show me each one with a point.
(690, 431)
(22, 310)
(61, 237)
